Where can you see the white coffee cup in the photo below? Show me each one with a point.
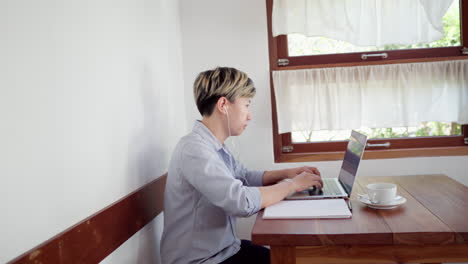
(381, 193)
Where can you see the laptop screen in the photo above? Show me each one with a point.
(353, 155)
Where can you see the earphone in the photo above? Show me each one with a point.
(229, 131)
(229, 125)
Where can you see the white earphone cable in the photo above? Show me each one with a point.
(234, 148)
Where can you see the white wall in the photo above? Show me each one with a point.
(89, 113)
(234, 33)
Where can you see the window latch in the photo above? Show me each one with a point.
(287, 149)
(383, 55)
(385, 145)
(464, 51)
(283, 62)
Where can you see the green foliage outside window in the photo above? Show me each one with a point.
(426, 129)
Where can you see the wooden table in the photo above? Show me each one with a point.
(432, 226)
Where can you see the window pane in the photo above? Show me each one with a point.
(299, 45)
(426, 129)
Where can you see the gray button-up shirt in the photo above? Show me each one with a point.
(206, 190)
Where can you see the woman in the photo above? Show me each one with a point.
(207, 188)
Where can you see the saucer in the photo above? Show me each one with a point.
(399, 200)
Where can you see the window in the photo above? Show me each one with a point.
(428, 139)
(300, 45)
(292, 55)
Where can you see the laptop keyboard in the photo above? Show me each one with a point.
(330, 187)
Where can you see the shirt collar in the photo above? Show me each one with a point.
(206, 134)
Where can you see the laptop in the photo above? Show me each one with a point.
(342, 186)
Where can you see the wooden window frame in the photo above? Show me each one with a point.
(400, 147)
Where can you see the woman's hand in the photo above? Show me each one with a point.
(305, 180)
(293, 172)
(279, 184)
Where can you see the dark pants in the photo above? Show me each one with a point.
(250, 253)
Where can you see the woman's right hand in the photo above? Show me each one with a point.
(306, 180)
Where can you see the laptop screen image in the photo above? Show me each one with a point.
(353, 155)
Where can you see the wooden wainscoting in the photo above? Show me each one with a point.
(94, 238)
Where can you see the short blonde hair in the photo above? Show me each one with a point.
(226, 82)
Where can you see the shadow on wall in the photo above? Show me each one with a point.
(146, 162)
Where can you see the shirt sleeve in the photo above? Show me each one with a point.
(249, 177)
(206, 172)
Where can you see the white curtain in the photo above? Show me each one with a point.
(392, 95)
(362, 22)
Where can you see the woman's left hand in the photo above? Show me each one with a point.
(291, 173)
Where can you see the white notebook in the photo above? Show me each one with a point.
(308, 209)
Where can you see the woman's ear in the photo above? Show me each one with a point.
(222, 105)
